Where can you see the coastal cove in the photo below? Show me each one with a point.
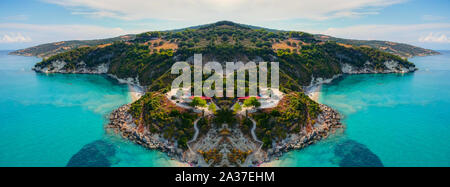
(47, 119)
(391, 119)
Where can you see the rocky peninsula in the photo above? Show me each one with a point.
(122, 123)
(225, 140)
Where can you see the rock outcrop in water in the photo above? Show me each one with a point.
(354, 154)
(95, 154)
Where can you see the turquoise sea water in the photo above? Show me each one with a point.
(402, 119)
(46, 119)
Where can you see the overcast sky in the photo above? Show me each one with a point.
(25, 23)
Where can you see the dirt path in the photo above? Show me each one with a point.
(197, 131)
(254, 134)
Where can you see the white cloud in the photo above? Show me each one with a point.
(398, 33)
(435, 38)
(52, 33)
(21, 17)
(14, 38)
(213, 10)
(432, 18)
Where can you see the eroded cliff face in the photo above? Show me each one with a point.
(389, 67)
(368, 68)
(80, 68)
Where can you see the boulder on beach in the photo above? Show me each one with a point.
(95, 154)
(354, 154)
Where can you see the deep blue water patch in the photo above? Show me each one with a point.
(354, 154)
(95, 154)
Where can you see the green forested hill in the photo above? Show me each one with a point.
(150, 55)
(403, 50)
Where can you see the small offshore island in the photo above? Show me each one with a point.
(218, 132)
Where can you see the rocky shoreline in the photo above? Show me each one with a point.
(328, 124)
(121, 123)
(102, 69)
(392, 67)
